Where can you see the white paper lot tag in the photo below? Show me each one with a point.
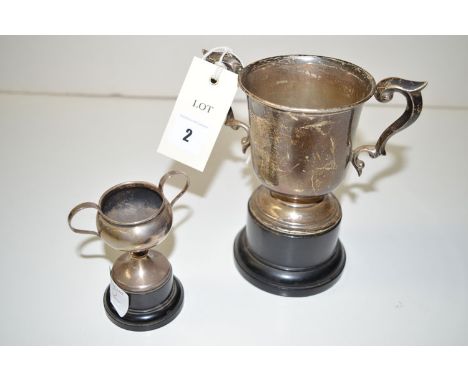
(118, 298)
(198, 114)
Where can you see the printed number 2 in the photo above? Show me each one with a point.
(189, 133)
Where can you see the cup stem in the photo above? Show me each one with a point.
(297, 199)
(140, 253)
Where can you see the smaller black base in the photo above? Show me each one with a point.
(284, 281)
(144, 320)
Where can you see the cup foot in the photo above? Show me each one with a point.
(150, 319)
(284, 281)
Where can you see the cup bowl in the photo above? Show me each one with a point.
(307, 83)
(303, 111)
(303, 114)
(133, 216)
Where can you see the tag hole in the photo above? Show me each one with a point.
(214, 81)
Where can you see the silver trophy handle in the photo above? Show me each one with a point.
(384, 93)
(170, 174)
(233, 64)
(236, 125)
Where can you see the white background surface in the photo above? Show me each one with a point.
(404, 221)
(155, 66)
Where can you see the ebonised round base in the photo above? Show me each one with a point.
(284, 281)
(144, 320)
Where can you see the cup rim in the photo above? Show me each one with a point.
(355, 68)
(132, 184)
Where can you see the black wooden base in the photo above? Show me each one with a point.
(293, 266)
(140, 320)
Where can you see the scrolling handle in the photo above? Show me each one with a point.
(384, 93)
(236, 125)
(230, 60)
(232, 63)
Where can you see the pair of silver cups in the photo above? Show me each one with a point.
(303, 114)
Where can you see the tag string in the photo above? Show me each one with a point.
(221, 65)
